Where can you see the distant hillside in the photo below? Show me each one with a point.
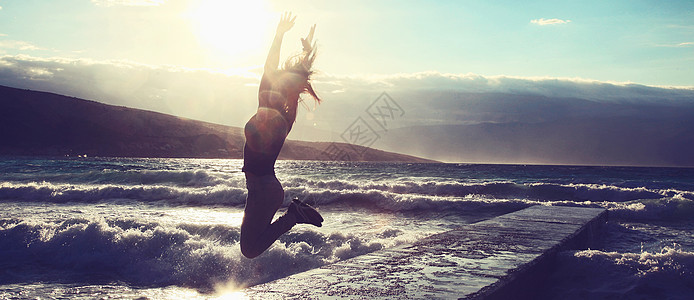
(39, 123)
(531, 129)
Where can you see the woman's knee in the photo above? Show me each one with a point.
(249, 250)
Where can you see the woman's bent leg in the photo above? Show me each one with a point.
(265, 196)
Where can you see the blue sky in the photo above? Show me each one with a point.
(645, 42)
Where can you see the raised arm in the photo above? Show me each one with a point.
(273, 58)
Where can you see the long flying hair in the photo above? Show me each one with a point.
(301, 65)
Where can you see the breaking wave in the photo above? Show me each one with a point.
(403, 195)
(595, 274)
(143, 253)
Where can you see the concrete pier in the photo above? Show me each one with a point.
(500, 258)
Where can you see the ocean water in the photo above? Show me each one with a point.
(117, 228)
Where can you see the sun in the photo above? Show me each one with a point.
(235, 30)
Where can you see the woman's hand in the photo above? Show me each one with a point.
(307, 41)
(286, 23)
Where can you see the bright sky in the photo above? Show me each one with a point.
(645, 42)
(445, 63)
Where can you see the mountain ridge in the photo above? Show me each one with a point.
(48, 124)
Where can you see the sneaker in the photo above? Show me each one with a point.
(305, 214)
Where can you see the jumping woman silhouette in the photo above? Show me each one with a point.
(266, 131)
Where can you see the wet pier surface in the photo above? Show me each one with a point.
(494, 259)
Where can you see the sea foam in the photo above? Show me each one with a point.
(152, 253)
(637, 203)
(595, 274)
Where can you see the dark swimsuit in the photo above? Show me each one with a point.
(266, 131)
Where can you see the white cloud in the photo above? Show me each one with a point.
(543, 21)
(214, 96)
(475, 83)
(18, 45)
(193, 93)
(109, 3)
(677, 45)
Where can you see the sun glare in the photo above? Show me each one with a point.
(233, 29)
